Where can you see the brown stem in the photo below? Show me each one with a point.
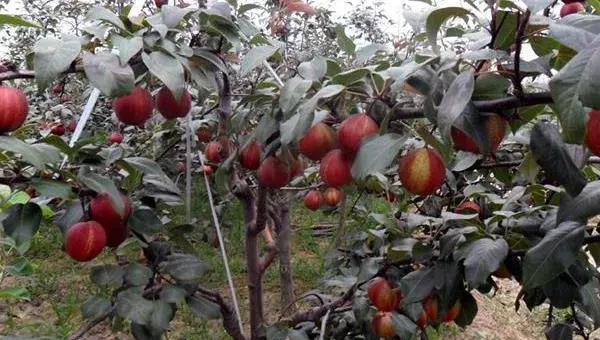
(242, 191)
(92, 323)
(230, 321)
(285, 257)
(314, 314)
(502, 106)
(519, 42)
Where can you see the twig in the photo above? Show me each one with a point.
(578, 323)
(316, 313)
(519, 42)
(549, 321)
(92, 323)
(503, 105)
(324, 325)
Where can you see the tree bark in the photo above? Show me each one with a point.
(285, 258)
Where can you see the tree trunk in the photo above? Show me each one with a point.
(285, 258)
(254, 284)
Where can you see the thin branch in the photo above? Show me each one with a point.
(502, 106)
(92, 323)
(578, 323)
(230, 321)
(519, 42)
(314, 314)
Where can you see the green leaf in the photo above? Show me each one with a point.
(166, 68)
(102, 185)
(551, 154)
(72, 213)
(29, 152)
(22, 221)
(18, 293)
(576, 31)
(351, 77)
(345, 43)
(184, 267)
(255, 58)
(15, 20)
(51, 189)
(128, 47)
(582, 206)
(107, 274)
(314, 69)
(482, 258)
(204, 308)
(152, 171)
(468, 310)
(173, 294)
(455, 101)
(105, 15)
(552, 255)
(52, 57)
(137, 274)
(172, 15)
(437, 17)
(293, 128)
(19, 267)
(94, 306)
(376, 154)
(131, 305)
(161, 316)
(106, 73)
(417, 285)
(506, 27)
(404, 327)
(568, 89)
(560, 331)
(590, 303)
(365, 53)
(144, 220)
(248, 7)
(490, 86)
(528, 168)
(291, 94)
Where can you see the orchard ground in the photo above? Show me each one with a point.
(59, 285)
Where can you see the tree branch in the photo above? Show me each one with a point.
(501, 106)
(230, 322)
(28, 74)
(92, 323)
(519, 42)
(314, 314)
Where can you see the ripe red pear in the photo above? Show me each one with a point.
(422, 320)
(592, 129)
(390, 197)
(313, 200)
(353, 130)
(335, 169)
(58, 129)
(468, 207)
(317, 141)
(72, 126)
(57, 88)
(297, 167)
(13, 109)
(452, 313)
(383, 325)
(332, 196)
(85, 240)
(104, 213)
(422, 171)
(273, 172)
(383, 295)
(65, 98)
(116, 235)
(204, 134)
(180, 167)
(134, 108)
(207, 169)
(430, 306)
(171, 108)
(115, 138)
(571, 8)
(495, 127)
(250, 156)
